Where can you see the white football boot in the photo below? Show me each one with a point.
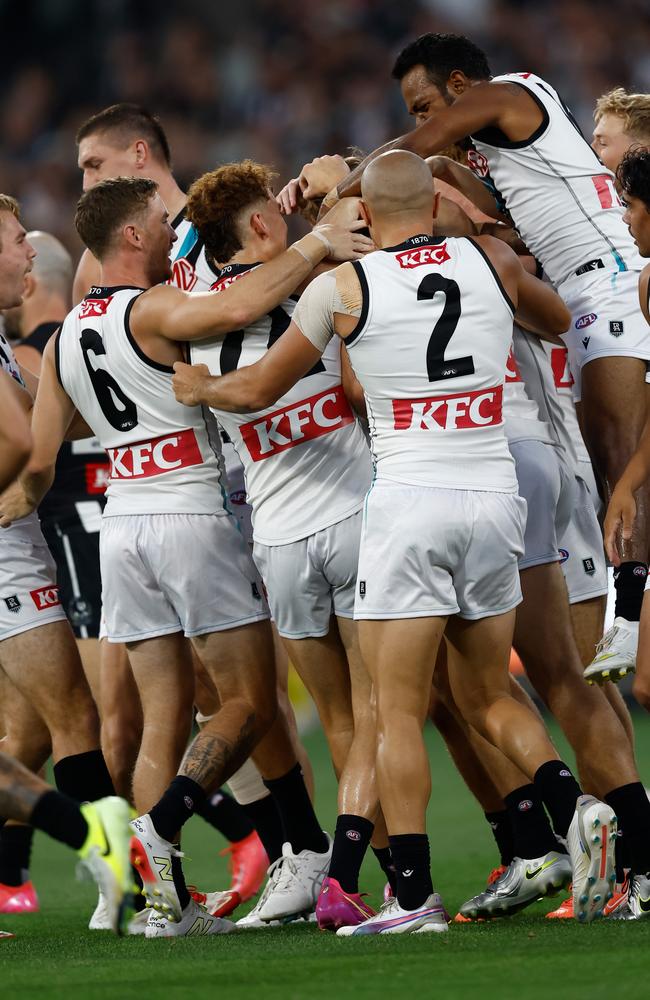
(195, 921)
(138, 923)
(100, 920)
(429, 918)
(591, 840)
(296, 884)
(615, 653)
(152, 859)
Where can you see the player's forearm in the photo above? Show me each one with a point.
(36, 482)
(238, 392)
(637, 471)
(236, 307)
(14, 454)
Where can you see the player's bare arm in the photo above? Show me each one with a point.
(501, 105)
(52, 414)
(464, 180)
(15, 436)
(88, 274)
(538, 308)
(174, 315)
(644, 286)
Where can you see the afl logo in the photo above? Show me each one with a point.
(183, 275)
(238, 497)
(584, 321)
(564, 554)
(353, 835)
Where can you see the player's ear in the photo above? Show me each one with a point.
(132, 235)
(364, 212)
(258, 225)
(29, 287)
(457, 82)
(141, 151)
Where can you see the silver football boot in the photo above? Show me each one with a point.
(524, 881)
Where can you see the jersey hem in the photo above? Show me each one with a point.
(343, 516)
(509, 491)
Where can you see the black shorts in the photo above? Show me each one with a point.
(76, 554)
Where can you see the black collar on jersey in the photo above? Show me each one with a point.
(39, 337)
(493, 136)
(104, 291)
(422, 240)
(232, 270)
(179, 218)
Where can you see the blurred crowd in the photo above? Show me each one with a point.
(277, 80)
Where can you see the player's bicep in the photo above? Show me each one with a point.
(539, 308)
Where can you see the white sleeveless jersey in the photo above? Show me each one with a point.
(430, 351)
(520, 413)
(190, 269)
(306, 461)
(28, 529)
(163, 455)
(560, 196)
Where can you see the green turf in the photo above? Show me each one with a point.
(54, 955)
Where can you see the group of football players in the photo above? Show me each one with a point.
(380, 452)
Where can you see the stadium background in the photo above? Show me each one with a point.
(281, 81)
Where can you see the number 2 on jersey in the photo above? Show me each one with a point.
(106, 388)
(439, 368)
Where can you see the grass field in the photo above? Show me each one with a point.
(54, 955)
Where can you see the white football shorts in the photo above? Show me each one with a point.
(547, 486)
(427, 552)
(237, 499)
(581, 549)
(605, 319)
(310, 580)
(29, 596)
(164, 573)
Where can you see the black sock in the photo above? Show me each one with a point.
(15, 852)
(222, 812)
(84, 776)
(61, 818)
(265, 817)
(179, 881)
(385, 860)
(559, 791)
(176, 806)
(503, 834)
(410, 853)
(532, 833)
(302, 829)
(632, 808)
(351, 841)
(629, 583)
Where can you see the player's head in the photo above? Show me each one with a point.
(124, 140)
(435, 69)
(622, 123)
(633, 176)
(16, 253)
(125, 218)
(48, 286)
(397, 196)
(233, 209)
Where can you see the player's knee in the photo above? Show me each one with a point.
(641, 691)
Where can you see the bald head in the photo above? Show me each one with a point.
(53, 264)
(398, 183)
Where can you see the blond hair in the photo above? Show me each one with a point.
(633, 109)
(8, 204)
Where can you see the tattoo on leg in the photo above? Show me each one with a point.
(212, 758)
(19, 790)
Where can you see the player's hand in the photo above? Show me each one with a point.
(346, 243)
(14, 504)
(344, 213)
(289, 197)
(188, 382)
(321, 175)
(620, 517)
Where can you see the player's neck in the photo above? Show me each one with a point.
(175, 199)
(47, 309)
(120, 271)
(255, 252)
(391, 234)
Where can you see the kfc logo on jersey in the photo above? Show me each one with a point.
(561, 371)
(154, 458)
(512, 369)
(480, 408)
(90, 307)
(423, 255)
(226, 278)
(45, 597)
(183, 275)
(304, 421)
(97, 477)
